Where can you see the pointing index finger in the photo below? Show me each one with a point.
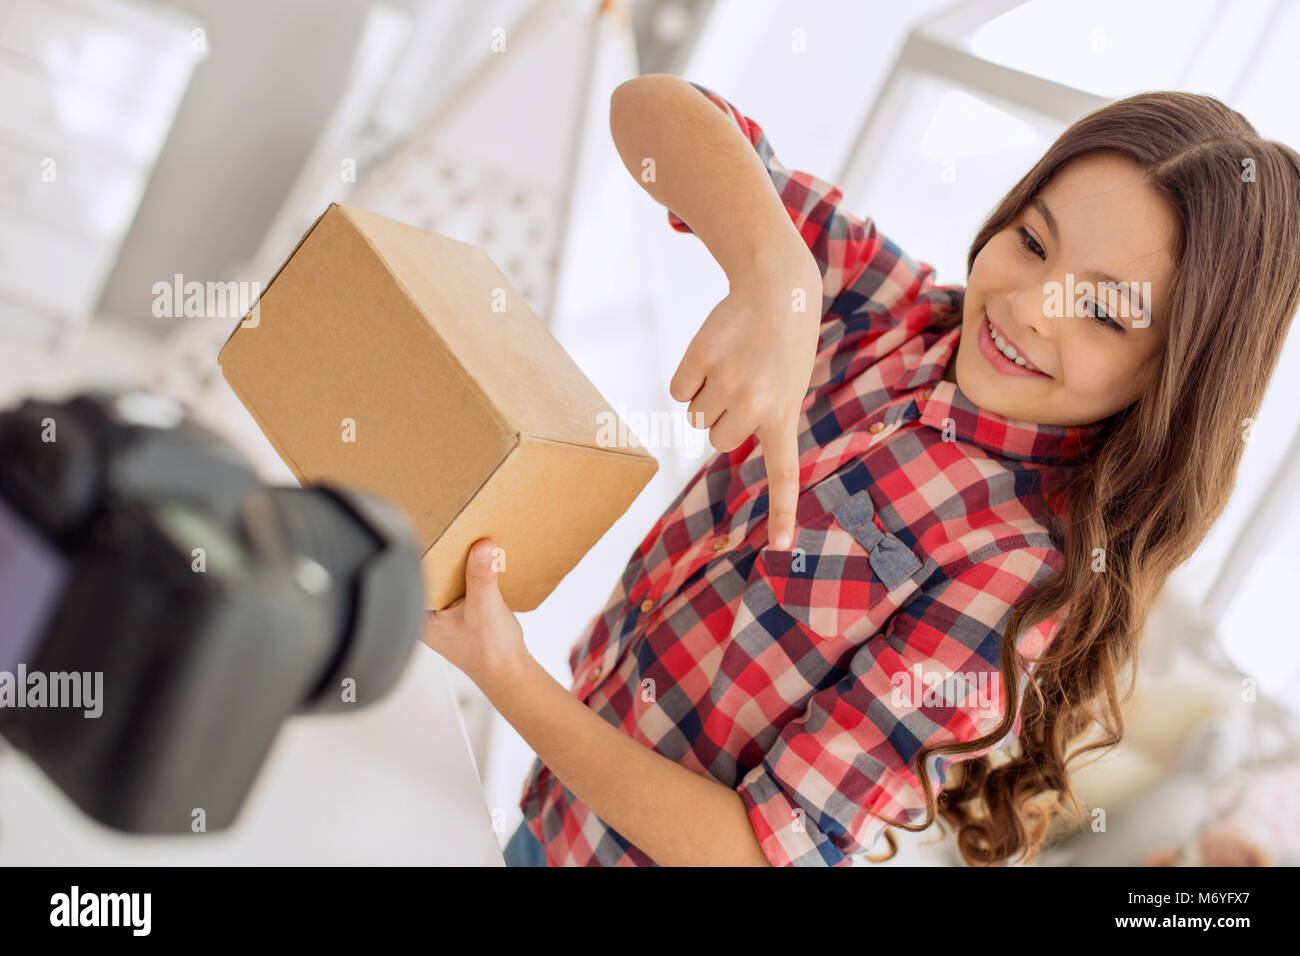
(780, 441)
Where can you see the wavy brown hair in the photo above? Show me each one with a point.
(1161, 473)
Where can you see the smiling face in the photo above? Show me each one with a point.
(1037, 293)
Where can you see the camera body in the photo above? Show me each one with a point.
(143, 564)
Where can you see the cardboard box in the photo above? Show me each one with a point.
(391, 359)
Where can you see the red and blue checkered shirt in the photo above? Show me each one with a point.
(808, 679)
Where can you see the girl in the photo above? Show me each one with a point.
(1029, 456)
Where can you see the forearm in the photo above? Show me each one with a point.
(676, 816)
(705, 171)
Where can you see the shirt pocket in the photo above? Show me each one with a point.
(843, 566)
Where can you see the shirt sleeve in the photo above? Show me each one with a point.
(843, 245)
(929, 676)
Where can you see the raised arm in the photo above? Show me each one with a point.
(747, 370)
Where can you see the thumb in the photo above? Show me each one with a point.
(482, 593)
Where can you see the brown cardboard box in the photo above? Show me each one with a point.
(391, 359)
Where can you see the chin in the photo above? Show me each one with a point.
(991, 391)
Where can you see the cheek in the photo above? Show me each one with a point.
(1101, 372)
(987, 270)
(995, 273)
(978, 283)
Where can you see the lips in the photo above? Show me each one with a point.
(998, 360)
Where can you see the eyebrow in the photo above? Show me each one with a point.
(1046, 213)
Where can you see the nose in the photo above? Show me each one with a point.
(1032, 312)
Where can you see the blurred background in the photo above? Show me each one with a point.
(151, 142)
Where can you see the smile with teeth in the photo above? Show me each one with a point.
(1009, 350)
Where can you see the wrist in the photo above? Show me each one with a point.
(506, 672)
(791, 283)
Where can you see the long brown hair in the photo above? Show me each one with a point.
(1149, 490)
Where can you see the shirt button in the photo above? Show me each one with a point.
(925, 396)
(876, 428)
(595, 675)
(647, 605)
(719, 544)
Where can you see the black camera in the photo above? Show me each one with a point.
(162, 611)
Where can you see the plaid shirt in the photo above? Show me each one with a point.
(808, 680)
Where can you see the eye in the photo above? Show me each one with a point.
(1102, 317)
(1029, 243)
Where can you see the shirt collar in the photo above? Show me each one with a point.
(948, 408)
